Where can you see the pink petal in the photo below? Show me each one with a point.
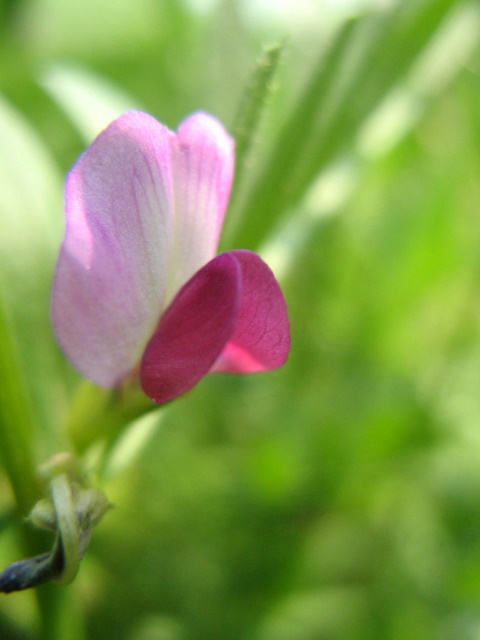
(193, 331)
(110, 281)
(202, 161)
(261, 339)
(231, 316)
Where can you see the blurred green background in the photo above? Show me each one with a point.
(338, 497)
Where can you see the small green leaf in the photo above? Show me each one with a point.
(268, 194)
(253, 105)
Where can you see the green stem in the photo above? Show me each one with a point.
(17, 441)
(62, 616)
(17, 423)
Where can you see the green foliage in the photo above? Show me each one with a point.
(336, 498)
(250, 110)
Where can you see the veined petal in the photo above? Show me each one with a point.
(202, 161)
(110, 280)
(193, 331)
(230, 316)
(261, 339)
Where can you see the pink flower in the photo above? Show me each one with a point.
(137, 287)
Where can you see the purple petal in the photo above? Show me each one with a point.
(202, 160)
(110, 281)
(261, 339)
(193, 331)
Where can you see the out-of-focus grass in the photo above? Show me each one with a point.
(336, 498)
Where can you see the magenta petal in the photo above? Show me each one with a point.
(193, 331)
(111, 275)
(261, 339)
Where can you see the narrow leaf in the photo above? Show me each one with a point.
(252, 107)
(366, 60)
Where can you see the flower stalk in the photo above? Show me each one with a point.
(97, 413)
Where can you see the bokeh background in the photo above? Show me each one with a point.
(337, 498)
